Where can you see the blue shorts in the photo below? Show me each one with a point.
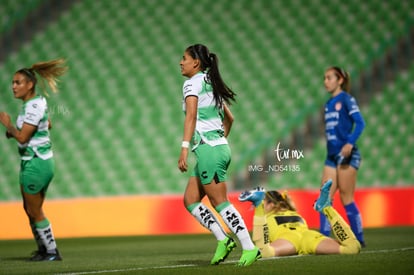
(335, 160)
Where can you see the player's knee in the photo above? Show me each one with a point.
(353, 248)
(34, 213)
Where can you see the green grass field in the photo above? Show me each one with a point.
(388, 251)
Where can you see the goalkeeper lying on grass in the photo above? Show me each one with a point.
(278, 230)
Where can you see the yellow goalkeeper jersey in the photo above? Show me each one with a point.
(286, 221)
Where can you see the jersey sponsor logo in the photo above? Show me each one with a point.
(30, 116)
(288, 219)
(331, 125)
(266, 234)
(188, 88)
(331, 115)
(204, 174)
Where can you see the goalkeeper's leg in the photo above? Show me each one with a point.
(342, 232)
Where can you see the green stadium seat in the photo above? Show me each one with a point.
(123, 89)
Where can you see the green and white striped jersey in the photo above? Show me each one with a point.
(209, 125)
(34, 112)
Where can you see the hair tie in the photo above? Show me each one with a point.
(341, 72)
(29, 73)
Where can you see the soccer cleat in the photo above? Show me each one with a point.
(249, 256)
(255, 195)
(323, 200)
(45, 257)
(37, 255)
(52, 257)
(223, 250)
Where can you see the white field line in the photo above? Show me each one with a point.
(227, 262)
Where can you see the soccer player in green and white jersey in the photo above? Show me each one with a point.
(37, 165)
(207, 123)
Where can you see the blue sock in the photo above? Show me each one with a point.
(325, 227)
(355, 221)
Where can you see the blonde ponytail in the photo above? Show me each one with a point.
(281, 201)
(49, 72)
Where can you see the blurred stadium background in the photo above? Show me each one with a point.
(118, 119)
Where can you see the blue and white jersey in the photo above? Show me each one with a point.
(343, 122)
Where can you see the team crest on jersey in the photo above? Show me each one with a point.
(338, 106)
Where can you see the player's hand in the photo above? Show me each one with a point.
(346, 150)
(182, 161)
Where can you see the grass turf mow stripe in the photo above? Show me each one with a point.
(227, 262)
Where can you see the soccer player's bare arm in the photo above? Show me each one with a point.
(228, 120)
(23, 135)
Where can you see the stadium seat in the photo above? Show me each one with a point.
(118, 118)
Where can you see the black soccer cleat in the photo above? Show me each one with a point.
(40, 256)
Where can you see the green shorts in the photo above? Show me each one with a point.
(212, 163)
(36, 174)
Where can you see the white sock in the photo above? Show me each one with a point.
(36, 236)
(207, 219)
(46, 236)
(235, 222)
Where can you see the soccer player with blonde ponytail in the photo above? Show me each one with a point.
(32, 135)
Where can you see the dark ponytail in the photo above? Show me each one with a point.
(209, 63)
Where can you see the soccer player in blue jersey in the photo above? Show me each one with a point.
(207, 123)
(343, 126)
(35, 149)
